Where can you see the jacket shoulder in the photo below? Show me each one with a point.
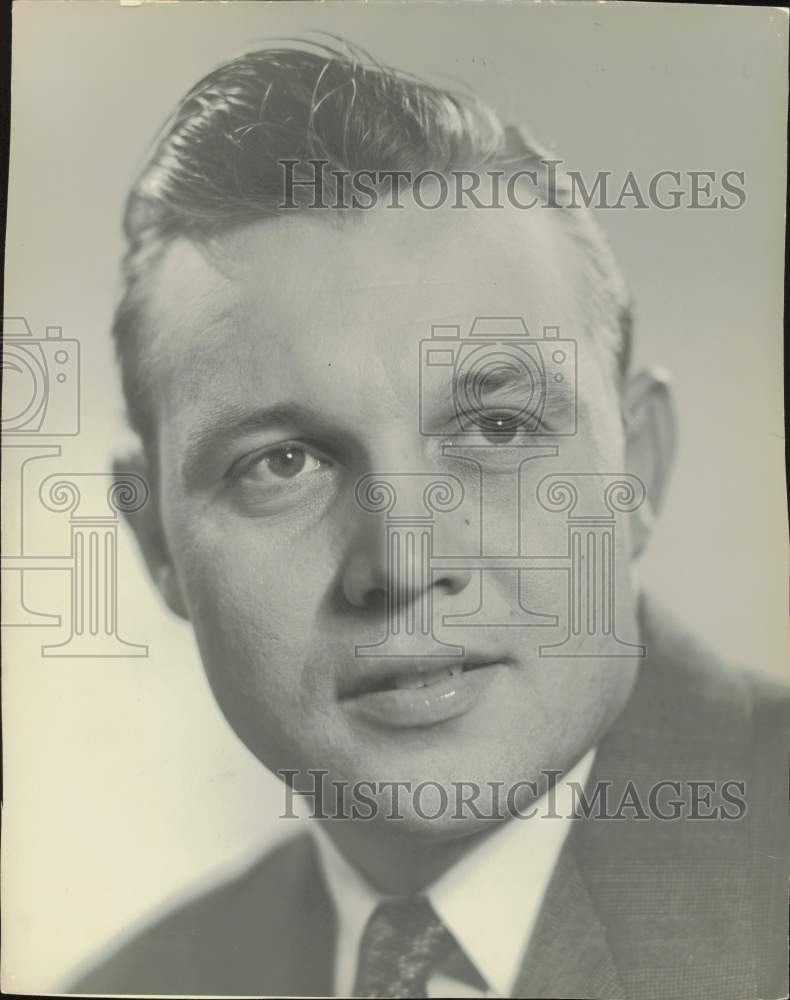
(693, 900)
(240, 937)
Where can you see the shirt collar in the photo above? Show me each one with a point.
(489, 900)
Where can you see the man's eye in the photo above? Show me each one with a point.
(501, 426)
(279, 465)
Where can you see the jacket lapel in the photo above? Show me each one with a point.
(641, 908)
(568, 955)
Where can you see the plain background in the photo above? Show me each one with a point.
(123, 783)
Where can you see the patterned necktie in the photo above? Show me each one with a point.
(403, 944)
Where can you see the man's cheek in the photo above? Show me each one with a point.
(254, 604)
(255, 560)
(255, 642)
(251, 594)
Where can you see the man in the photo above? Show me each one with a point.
(331, 468)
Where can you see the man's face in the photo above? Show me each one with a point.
(287, 367)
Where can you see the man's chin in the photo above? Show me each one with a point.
(414, 827)
(453, 801)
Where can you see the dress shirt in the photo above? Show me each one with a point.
(489, 899)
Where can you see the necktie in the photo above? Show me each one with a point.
(403, 944)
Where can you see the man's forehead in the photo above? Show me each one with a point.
(331, 314)
(344, 275)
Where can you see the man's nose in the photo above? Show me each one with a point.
(389, 558)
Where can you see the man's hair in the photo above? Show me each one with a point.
(216, 165)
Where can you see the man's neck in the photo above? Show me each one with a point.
(394, 863)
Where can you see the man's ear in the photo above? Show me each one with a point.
(650, 443)
(146, 523)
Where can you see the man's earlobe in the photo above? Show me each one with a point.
(146, 524)
(650, 443)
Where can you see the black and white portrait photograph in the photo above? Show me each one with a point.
(395, 550)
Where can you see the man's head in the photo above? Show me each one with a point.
(272, 360)
(218, 165)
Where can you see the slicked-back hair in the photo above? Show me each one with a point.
(217, 164)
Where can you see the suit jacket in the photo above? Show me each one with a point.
(637, 908)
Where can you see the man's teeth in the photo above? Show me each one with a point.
(428, 677)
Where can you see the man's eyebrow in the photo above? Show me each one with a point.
(507, 377)
(225, 423)
(503, 376)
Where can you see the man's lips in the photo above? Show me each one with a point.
(403, 694)
(407, 673)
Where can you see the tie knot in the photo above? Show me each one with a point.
(403, 942)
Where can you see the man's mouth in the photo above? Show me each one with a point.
(413, 674)
(417, 693)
